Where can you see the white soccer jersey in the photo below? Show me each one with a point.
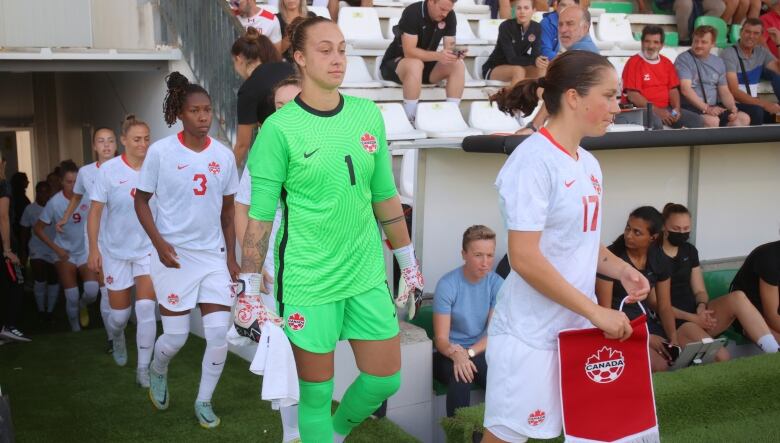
(121, 234)
(266, 23)
(244, 196)
(542, 188)
(189, 187)
(37, 247)
(72, 239)
(85, 182)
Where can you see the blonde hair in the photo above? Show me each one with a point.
(131, 121)
(477, 232)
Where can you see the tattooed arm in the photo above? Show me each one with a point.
(391, 216)
(255, 246)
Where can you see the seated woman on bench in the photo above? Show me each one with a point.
(697, 316)
(462, 306)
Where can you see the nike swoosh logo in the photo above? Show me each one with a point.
(206, 419)
(121, 182)
(217, 364)
(354, 422)
(568, 184)
(180, 167)
(309, 154)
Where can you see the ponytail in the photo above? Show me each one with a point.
(522, 97)
(178, 90)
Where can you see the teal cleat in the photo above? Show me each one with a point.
(158, 389)
(206, 416)
(119, 350)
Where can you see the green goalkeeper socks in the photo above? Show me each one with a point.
(362, 398)
(314, 420)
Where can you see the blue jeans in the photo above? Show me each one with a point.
(774, 79)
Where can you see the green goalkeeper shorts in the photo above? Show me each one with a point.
(367, 316)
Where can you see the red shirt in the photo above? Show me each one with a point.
(652, 80)
(771, 20)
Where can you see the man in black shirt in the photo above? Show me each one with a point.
(413, 57)
(758, 278)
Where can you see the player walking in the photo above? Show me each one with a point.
(194, 179)
(550, 194)
(325, 155)
(126, 248)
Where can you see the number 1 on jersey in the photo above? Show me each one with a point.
(586, 201)
(351, 168)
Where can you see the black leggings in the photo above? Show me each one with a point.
(12, 294)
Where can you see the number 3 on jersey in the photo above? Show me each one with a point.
(586, 202)
(201, 180)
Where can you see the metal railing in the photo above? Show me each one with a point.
(206, 30)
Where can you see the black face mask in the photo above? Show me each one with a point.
(678, 238)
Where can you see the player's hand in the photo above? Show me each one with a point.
(705, 318)
(95, 261)
(250, 285)
(12, 257)
(233, 268)
(463, 368)
(542, 63)
(62, 254)
(658, 345)
(60, 225)
(614, 323)
(774, 34)
(167, 255)
(447, 57)
(267, 281)
(636, 285)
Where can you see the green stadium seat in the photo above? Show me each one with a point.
(718, 282)
(424, 319)
(671, 39)
(718, 24)
(734, 33)
(614, 7)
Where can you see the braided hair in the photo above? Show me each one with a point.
(179, 88)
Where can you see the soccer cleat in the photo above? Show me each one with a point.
(84, 317)
(14, 334)
(158, 389)
(205, 414)
(120, 350)
(142, 377)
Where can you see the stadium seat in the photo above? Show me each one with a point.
(424, 319)
(488, 29)
(406, 183)
(397, 126)
(389, 3)
(718, 282)
(463, 33)
(619, 63)
(601, 44)
(670, 53)
(361, 28)
(443, 120)
(614, 7)
(617, 29)
(471, 82)
(392, 21)
(357, 75)
(321, 11)
(487, 118)
(471, 7)
(672, 39)
(734, 33)
(718, 24)
(478, 62)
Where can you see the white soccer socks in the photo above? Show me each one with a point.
(176, 329)
(289, 423)
(117, 321)
(105, 309)
(39, 290)
(91, 290)
(72, 308)
(215, 327)
(410, 107)
(146, 330)
(768, 343)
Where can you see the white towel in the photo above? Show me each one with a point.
(275, 362)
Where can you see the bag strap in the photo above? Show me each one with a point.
(701, 79)
(622, 302)
(744, 73)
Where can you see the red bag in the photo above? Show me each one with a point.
(606, 386)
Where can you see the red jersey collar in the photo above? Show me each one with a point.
(180, 135)
(555, 143)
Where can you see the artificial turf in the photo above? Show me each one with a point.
(64, 387)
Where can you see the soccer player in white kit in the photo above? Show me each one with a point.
(194, 180)
(69, 245)
(550, 194)
(104, 144)
(125, 255)
(285, 91)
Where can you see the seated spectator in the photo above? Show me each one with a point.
(253, 16)
(639, 247)
(413, 59)
(550, 47)
(516, 55)
(649, 77)
(697, 316)
(574, 30)
(746, 63)
(703, 82)
(503, 8)
(771, 38)
(289, 10)
(759, 278)
(736, 11)
(462, 307)
(683, 12)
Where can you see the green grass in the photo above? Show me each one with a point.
(64, 387)
(734, 401)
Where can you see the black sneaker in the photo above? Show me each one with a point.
(14, 334)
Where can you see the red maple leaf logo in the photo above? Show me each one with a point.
(109, 279)
(536, 418)
(173, 299)
(369, 142)
(604, 354)
(296, 321)
(214, 168)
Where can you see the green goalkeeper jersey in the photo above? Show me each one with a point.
(326, 168)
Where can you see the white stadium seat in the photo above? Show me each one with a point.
(361, 28)
(619, 63)
(443, 120)
(487, 118)
(471, 7)
(471, 82)
(357, 75)
(463, 33)
(670, 53)
(392, 21)
(321, 11)
(406, 176)
(487, 29)
(378, 75)
(478, 62)
(601, 44)
(616, 28)
(397, 126)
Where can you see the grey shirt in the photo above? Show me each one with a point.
(713, 74)
(754, 65)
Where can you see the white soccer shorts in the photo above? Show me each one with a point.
(79, 259)
(48, 256)
(202, 277)
(120, 274)
(522, 399)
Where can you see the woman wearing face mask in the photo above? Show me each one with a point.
(697, 316)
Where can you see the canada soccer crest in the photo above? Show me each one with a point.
(605, 366)
(214, 168)
(369, 143)
(296, 321)
(110, 280)
(536, 418)
(83, 207)
(596, 184)
(173, 299)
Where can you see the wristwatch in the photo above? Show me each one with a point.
(471, 353)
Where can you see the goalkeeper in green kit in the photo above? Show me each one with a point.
(324, 157)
